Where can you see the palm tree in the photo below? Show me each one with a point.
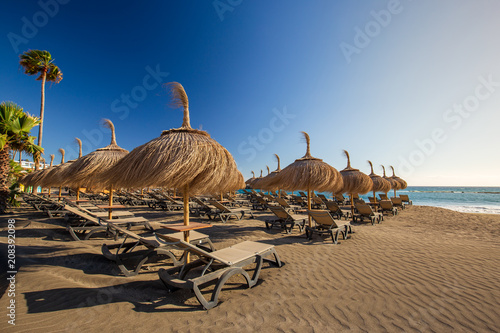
(15, 127)
(36, 62)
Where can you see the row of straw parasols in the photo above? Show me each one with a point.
(313, 174)
(190, 160)
(183, 158)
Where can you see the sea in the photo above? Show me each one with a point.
(459, 198)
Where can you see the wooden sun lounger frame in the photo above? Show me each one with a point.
(216, 267)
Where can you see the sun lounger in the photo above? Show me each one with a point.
(322, 196)
(383, 196)
(260, 204)
(216, 267)
(336, 211)
(365, 211)
(283, 203)
(83, 225)
(140, 249)
(224, 213)
(201, 208)
(397, 202)
(406, 199)
(326, 224)
(285, 220)
(386, 206)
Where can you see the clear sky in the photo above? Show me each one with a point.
(413, 84)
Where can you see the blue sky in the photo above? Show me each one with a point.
(413, 84)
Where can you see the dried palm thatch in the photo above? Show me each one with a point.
(87, 171)
(264, 182)
(401, 182)
(182, 158)
(255, 183)
(393, 183)
(355, 181)
(50, 178)
(33, 178)
(250, 180)
(379, 184)
(308, 173)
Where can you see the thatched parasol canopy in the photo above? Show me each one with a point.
(249, 181)
(264, 182)
(184, 158)
(401, 182)
(308, 173)
(255, 182)
(51, 178)
(394, 184)
(355, 181)
(379, 184)
(87, 171)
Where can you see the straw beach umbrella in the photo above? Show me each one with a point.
(250, 180)
(184, 158)
(88, 171)
(307, 174)
(355, 181)
(402, 183)
(264, 182)
(52, 177)
(379, 184)
(393, 183)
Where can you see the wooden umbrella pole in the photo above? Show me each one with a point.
(110, 211)
(221, 197)
(186, 217)
(374, 197)
(77, 193)
(352, 206)
(309, 206)
(142, 191)
(394, 192)
(60, 192)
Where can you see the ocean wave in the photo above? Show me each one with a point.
(470, 209)
(476, 192)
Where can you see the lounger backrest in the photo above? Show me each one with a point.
(397, 201)
(185, 246)
(280, 212)
(322, 217)
(220, 206)
(283, 202)
(332, 206)
(385, 204)
(82, 214)
(404, 197)
(317, 200)
(364, 209)
(322, 196)
(261, 201)
(383, 197)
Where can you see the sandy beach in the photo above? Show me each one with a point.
(424, 270)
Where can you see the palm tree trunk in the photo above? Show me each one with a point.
(4, 177)
(42, 109)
